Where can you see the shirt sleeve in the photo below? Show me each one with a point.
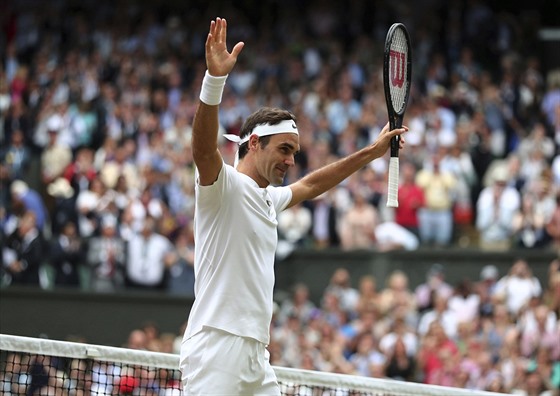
(212, 194)
(281, 197)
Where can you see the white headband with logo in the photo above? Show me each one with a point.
(286, 126)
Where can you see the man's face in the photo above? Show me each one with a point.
(275, 158)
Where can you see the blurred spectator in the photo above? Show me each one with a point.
(16, 156)
(551, 98)
(149, 254)
(18, 117)
(440, 313)
(66, 255)
(24, 252)
(81, 170)
(399, 333)
(485, 288)
(532, 383)
(465, 302)
(298, 305)
(90, 204)
(411, 198)
(341, 287)
(517, 287)
(485, 372)
(436, 349)
(551, 295)
(325, 225)
(357, 224)
(536, 140)
(369, 295)
(120, 165)
(553, 225)
(391, 236)
(366, 355)
(435, 219)
(543, 333)
(397, 295)
(294, 224)
(435, 284)
(496, 206)
(106, 256)
(496, 328)
(343, 109)
(64, 205)
(31, 201)
(55, 157)
(181, 272)
(137, 339)
(528, 225)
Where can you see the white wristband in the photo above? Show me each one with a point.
(212, 89)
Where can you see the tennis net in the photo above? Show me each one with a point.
(36, 366)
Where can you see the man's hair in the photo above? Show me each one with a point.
(265, 115)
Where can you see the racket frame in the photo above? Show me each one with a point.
(395, 117)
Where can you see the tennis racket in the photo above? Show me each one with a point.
(397, 69)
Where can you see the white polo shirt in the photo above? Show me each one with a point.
(235, 230)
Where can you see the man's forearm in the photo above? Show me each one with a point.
(327, 177)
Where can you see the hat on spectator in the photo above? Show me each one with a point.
(19, 188)
(54, 123)
(60, 188)
(489, 272)
(500, 175)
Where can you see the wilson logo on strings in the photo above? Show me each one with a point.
(397, 68)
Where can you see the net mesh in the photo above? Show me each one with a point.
(398, 69)
(31, 366)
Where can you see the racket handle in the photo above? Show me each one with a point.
(393, 190)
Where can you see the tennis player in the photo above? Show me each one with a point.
(224, 345)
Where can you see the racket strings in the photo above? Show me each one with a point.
(398, 72)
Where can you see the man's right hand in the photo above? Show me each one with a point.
(218, 60)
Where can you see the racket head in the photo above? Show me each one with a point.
(397, 72)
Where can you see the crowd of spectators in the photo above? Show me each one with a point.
(96, 111)
(499, 333)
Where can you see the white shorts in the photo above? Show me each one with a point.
(215, 362)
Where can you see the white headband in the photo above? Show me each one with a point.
(286, 126)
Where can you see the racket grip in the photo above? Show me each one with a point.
(393, 189)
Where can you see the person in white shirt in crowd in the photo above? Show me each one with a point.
(295, 224)
(465, 302)
(496, 206)
(439, 313)
(149, 254)
(399, 331)
(518, 287)
(392, 236)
